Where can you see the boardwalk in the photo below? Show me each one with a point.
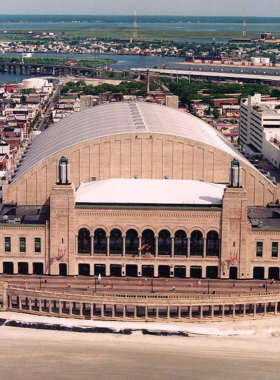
(147, 307)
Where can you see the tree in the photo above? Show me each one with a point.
(216, 113)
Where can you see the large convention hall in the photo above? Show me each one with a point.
(138, 189)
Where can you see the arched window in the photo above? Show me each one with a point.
(100, 241)
(116, 242)
(131, 242)
(148, 242)
(212, 244)
(196, 243)
(164, 243)
(180, 243)
(84, 241)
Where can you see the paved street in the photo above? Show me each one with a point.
(139, 285)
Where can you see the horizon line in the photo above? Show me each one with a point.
(138, 15)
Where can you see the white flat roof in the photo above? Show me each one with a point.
(150, 191)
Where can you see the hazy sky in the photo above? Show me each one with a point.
(144, 7)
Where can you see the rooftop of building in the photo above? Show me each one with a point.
(11, 214)
(265, 106)
(122, 118)
(164, 192)
(265, 218)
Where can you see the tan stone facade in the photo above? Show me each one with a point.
(128, 240)
(232, 255)
(145, 155)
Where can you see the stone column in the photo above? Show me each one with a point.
(30, 304)
(264, 309)
(102, 310)
(92, 245)
(179, 312)
(40, 306)
(156, 241)
(233, 311)
(81, 309)
(91, 311)
(140, 245)
(190, 312)
(19, 303)
(70, 308)
(168, 312)
(201, 312)
(50, 306)
(203, 271)
(212, 311)
(59, 307)
(266, 272)
(255, 309)
(107, 270)
(155, 270)
(146, 312)
(189, 247)
(204, 247)
(113, 311)
(244, 310)
(223, 311)
(157, 312)
(135, 311)
(276, 306)
(172, 246)
(123, 250)
(108, 245)
(124, 311)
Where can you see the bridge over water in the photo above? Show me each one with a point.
(47, 69)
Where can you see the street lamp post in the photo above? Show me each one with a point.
(40, 281)
(95, 283)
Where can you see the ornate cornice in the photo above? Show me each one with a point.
(148, 215)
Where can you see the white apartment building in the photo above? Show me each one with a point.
(260, 127)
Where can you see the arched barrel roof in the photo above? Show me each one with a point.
(122, 118)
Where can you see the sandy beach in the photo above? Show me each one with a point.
(249, 349)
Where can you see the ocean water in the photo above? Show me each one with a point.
(191, 23)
